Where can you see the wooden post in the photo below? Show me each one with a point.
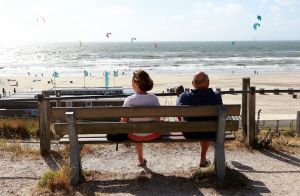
(44, 123)
(219, 145)
(277, 125)
(58, 94)
(262, 91)
(75, 162)
(251, 117)
(295, 96)
(298, 124)
(246, 84)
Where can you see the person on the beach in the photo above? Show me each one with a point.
(141, 83)
(201, 95)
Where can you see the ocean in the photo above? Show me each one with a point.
(67, 59)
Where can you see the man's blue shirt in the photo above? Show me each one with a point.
(199, 97)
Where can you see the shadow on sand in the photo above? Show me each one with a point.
(151, 183)
(54, 160)
(281, 156)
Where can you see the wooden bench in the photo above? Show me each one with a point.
(81, 130)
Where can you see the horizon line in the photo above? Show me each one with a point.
(146, 41)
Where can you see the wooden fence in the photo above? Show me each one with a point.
(43, 103)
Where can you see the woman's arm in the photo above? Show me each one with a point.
(124, 119)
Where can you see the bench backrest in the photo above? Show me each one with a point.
(96, 127)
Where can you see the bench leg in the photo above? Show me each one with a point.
(219, 144)
(75, 162)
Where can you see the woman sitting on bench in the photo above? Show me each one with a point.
(141, 83)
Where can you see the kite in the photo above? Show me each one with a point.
(41, 19)
(133, 38)
(259, 17)
(80, 43)
(155, 45)
(255, 25)
(108, 34)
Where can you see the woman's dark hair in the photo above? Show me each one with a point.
(143, 80)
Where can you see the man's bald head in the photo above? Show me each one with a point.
(200, 80)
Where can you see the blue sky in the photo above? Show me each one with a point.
(155, 20)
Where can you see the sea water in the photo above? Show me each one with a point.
(240, 57)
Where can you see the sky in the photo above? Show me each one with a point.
(155, 20)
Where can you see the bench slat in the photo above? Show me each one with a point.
(98, 140)
(144, 127)
(104, 135)
(139, 127)
(83, 140)
(140, 112)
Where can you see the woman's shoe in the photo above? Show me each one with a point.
(142, 164)
(206, 164)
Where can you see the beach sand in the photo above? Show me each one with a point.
(282, 106)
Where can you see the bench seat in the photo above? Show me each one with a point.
(101, 138)
(80, 126)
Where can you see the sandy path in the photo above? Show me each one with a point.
(270, 172)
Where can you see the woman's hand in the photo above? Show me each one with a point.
(124, 120)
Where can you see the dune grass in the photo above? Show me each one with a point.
(15, 128)
(18, 150)
(56, 181)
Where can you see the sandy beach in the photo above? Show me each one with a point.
(273, 107)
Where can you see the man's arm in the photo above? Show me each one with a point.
(219, 99)
(181, 100)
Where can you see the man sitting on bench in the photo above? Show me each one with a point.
(201, 95)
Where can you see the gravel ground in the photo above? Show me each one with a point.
(270, 172)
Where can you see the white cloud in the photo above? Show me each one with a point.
(263, 3)
(174, 18)
(228, 9)
(285, 2)
(275, 9)
(116, 11)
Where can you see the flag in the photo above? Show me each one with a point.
(85, 73)
(106, 78)
(116, 73)
(55, 74)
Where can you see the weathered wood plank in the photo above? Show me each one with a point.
(140, 112)
(139, 127)
(163, 127)
(22, 113)
(44, 124)
(75, 162)
(101, 138)
(104, 135)
(251, 117)
(219, 145)
(246, 84)
(18, 104)
(298, 124)
(96, 140)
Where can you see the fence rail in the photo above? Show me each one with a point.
(227, 92)
(43, 102)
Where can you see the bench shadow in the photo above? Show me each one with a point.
(54, 160)
(247, 169)
(240, 166)
(151, 183)
(281, 156)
